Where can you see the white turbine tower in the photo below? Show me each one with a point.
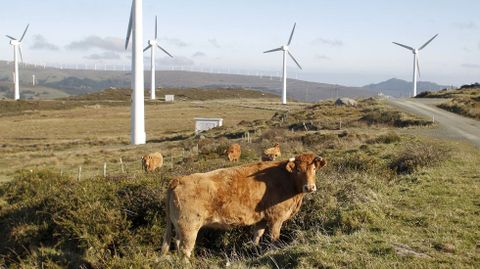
(17, 49)
(135, 28)
(153, 45)
(286, 49)
(416, 65)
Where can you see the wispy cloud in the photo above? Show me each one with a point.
(96, 42)
(107, 55)
(176, 61)
(199, 54)
(214, 42)
(322, 57)
(328, 42)
(40, 43)
(175, 42)
(472, 66)
(470, 25)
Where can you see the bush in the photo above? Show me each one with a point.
(418, 155)
(387, 138)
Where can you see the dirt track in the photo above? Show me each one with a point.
(451, 125)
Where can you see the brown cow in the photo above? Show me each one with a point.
(271, 154)
(261, 194)
(152, 161)
(233, 152)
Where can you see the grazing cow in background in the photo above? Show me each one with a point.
(264, 194)
(152, 161)
(271, 154)
(233, 152)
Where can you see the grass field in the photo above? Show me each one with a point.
(388, 198)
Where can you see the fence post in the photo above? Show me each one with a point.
(79, 177)
(104, 169)
(121, 165)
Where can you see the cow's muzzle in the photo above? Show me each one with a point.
(309, 188)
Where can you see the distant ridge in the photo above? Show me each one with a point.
(402, 88)
(76, 82)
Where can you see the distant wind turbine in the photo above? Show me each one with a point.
(135, 28)
(17, 49)
(153, 45)
(286, 49)
(416, 64)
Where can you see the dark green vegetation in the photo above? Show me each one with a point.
(464, 101)
(384, 201)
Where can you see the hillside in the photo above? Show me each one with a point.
(464, 100)
(401, 88)
(77, 82)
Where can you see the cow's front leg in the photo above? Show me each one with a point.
(276, 226)
(259, 229)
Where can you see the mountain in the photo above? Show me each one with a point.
(401, 88)
(70, 82)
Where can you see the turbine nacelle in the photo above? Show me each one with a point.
(285, 48)
(15, 42)
(152, 42)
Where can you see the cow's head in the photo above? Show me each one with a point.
(303, 169)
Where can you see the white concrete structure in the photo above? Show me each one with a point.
(169, 98)
(153, 45)
(135, 28)
(17, 49)
(286, 50)
(416, 65)
(205, 124)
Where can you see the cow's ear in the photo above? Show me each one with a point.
(290, 165)
(319, 162)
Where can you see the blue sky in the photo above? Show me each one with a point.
(344, 42)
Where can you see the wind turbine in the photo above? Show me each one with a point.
(416, 65)
(286, 49)
(17, 49)
(153, 45)
(135, 28)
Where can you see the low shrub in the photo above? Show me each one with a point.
(386, 138)
(418, 155)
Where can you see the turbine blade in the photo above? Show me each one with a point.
(401, 45)
(428, 42)
(164, 51)
(293, 58)
(147, 47)
(20, 52)
(24, 32)
(129, 30)
(418, 66)
(12, 38)
(278, 49)
(156, 28)
(291, 35)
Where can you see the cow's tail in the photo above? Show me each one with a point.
(167, 237)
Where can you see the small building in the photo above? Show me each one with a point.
(169, 98)
(205, 124)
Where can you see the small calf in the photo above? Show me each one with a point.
(233, 152)
(271, 154)
(152, 161)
